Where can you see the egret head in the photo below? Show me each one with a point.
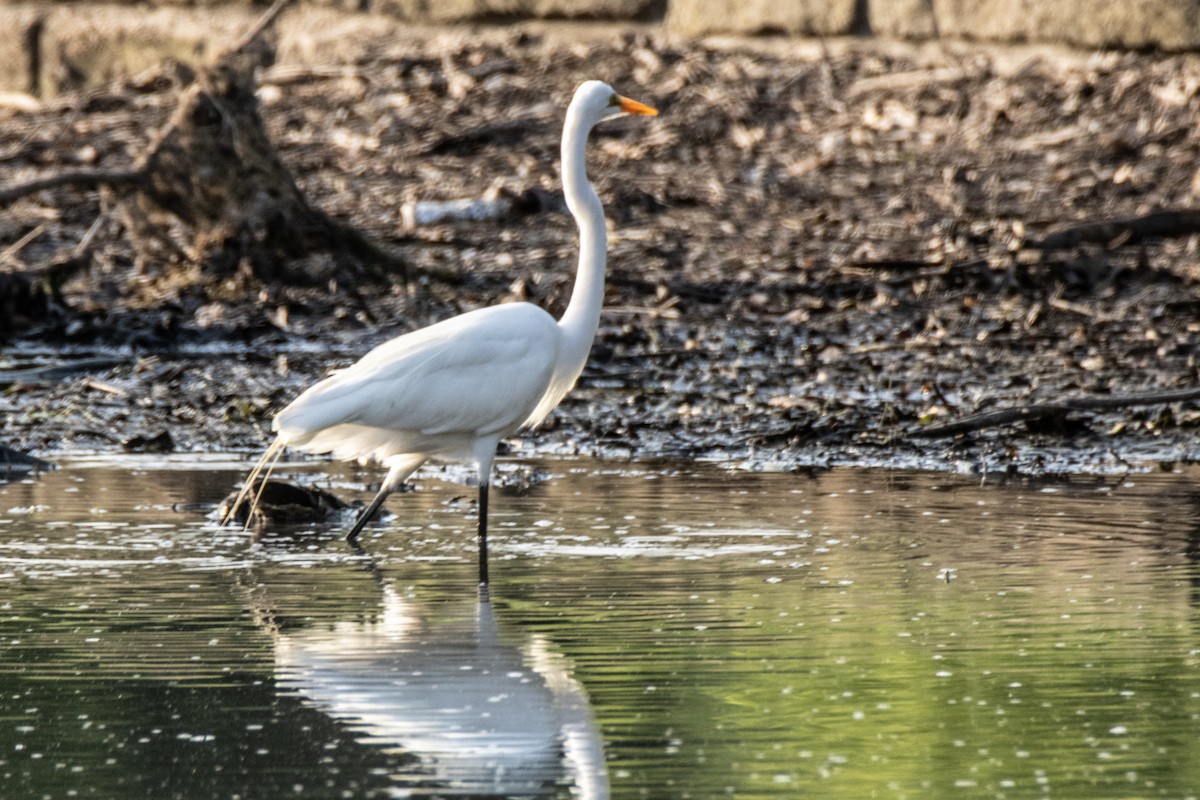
(595, 101)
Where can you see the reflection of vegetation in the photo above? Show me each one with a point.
(833, 663)
(1046, 665)
(164, 690)
(850, 693)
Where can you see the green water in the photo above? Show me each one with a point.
(652, 631)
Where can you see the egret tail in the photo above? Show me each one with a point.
(269, 457)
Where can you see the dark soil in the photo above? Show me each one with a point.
(817, 251)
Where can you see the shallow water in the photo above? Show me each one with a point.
(653, 630)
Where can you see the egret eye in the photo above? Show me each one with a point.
(614, 100)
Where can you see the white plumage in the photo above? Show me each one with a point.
(453, 390)
(427, 393)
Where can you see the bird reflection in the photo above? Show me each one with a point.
(482, 716)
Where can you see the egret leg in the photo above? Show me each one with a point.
(399, 468)
(483, 515)
(367, 514)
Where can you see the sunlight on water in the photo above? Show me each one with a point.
(653, 631)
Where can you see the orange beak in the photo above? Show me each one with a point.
(634, 107)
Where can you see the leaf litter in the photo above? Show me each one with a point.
(815, 251)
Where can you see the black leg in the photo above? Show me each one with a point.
(483, 514)
(366, 515)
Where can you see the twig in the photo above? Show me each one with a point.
(84, 178)
(19, 245)
(265, 21)
(1040, 411)
(103, 386)
(86, 241)
(1117, 232)
(1067, 305)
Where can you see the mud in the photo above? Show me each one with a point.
(817, 250)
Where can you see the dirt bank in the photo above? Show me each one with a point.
(817, 251)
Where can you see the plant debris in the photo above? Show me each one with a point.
(816, 251)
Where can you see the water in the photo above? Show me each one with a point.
(653, 631)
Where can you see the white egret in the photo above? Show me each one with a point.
(453, 390)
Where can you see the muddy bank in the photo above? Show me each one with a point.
(817, 251)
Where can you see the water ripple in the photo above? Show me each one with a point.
(700, 632)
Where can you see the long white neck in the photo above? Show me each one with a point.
(582, 317)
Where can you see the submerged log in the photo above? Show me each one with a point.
(281, 503)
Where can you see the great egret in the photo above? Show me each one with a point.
(453, 390)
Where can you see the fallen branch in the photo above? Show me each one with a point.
(55, 373)
(1119, 232)
(1040, 411)
(84, 178)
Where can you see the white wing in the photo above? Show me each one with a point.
(476, 374)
